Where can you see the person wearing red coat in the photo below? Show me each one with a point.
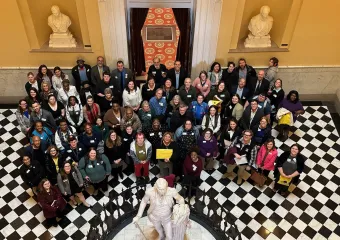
(266, 157)
(51, 202)
(192, 168)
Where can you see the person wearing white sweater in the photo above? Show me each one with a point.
(67, 91)
(132, 96)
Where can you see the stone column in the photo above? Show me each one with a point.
(113, 23)
(207, 25)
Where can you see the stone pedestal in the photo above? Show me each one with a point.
(257, 42)
(62, 40)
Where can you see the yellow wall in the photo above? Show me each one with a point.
(314, 41)
(40, 10)
(14, 45)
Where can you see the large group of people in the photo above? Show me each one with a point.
(108, 125)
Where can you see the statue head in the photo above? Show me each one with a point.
(55, 10)
(265, 10)
(161, 186)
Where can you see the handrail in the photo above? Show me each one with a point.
(204, 209)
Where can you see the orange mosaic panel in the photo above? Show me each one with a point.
(165, 50)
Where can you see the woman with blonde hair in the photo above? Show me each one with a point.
(166, 164)
(46, 91)
(113, 149)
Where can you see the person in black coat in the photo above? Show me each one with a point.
(53, 161)
(180, 116)
(81, 66)
(245, 71)
(85, 91)
(98, 70)
(128, 135)
(158, 71)
(32, 82)
(241, 90)
(90, 138)
(228, 135)
(113, 147)
(177, 74)
(230, 76)
(289, 166)
(31, 173)
(35, 152)
(275, 95)
(149, 89)
(258, 85)
(247, 122)
(74, 151)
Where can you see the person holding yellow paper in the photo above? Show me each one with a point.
(166, 154)
(289, 166)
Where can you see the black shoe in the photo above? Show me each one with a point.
(139, 181)
(146, 179)
(121, 175)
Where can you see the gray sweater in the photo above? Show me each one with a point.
(64, 184)
(96, 170)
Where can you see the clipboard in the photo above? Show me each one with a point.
(242, 160)
(163, 153)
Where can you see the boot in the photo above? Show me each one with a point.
(147, 179)
(120, 172)
(139, 181)
(229, 172)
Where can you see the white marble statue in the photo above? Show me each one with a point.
(180, 221)
(61, 36)
(259, 27)
(159, 213)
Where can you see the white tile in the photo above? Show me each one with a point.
(88, 214)
(254, 225)
(300, 225)
(285, 225)
(23, 230)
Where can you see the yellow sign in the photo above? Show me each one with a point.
(163, 153)
(284, 181)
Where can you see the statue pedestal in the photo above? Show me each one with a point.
(257, 42)
(62, 40)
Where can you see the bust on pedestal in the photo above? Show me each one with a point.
(259, 27)
(61, 36)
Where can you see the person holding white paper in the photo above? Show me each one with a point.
(242, 153)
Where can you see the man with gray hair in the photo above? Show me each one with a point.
(160, 211)
(158, 71)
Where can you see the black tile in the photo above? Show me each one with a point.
(305, 218)
(35, 209)
(228, 205)
(310, 232)
(4, 162)
(17, 223)
(64, 222)
(24, 196)
(14, 236)
(316, 204)
(328, 158)
(287, 205)
(331, 204)
(317, 128)
(312, 192)
(8, 197)
(245, 218)
(332, 168)
(78, 235)
(247, 232)
(290, 218)
(335, 217)
(298, 192)
(320, 137)
(211, 181)
(302, 205)
(325, 191)
(320, 218)
(272, 205)
(294, 232)
(32, 223)
(61, 235)
(5, 210)
(257, 205)
(3, 222)
(12, 184)
(337, 230)
(279, 232)
(29, 236)
(255, 192)
(79, 222)
(241, 192)
(21, 209)
(325, 232)
(263, 232)
(243, 205)
(276, 218)
(260, 218)
(226, 192)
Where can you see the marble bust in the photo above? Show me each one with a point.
(259, 27)
(61, 36)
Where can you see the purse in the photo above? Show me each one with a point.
(258, 178)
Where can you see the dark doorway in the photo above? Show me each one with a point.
(136, 19)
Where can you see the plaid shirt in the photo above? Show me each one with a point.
(253, 151)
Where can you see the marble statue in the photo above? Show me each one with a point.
(61, 36)
(159, 213)
(180, 221)
(259, 27)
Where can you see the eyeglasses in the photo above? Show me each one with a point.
(247, 135)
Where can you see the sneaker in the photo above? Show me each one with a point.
(95, 193)
(239, 181)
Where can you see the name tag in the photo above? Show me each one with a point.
(260, 106)
(243, 97)
(161, 104)
(247, 150)
(270, 153)
(259, 129)
(184, 134)
(28, 171)
(193, 134)
(141, 151)
(274, 95)
(152, 134)
(194, 167)
(149, 114)
(65, 180)
(90, 166)
(160, 134)
(91, 141)
(126, 75)
(189, 96)
(222, 95)
(238, 145)
(42, 138)
(111, 87)
(98, 164)
(77, 113)
(69, 151)
(199, 84)
(111, 104)
(43, 119)
(103, 129)
(116, 77)
(125, 139)
(80, 149)
(230, 107)
(68, 158)
(204, 141)
(148, 89)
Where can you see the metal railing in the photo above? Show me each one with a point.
(204, 209)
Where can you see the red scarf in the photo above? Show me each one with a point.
(92, 113)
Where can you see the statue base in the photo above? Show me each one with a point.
(151, 234)
(62, 40)
(257, 42)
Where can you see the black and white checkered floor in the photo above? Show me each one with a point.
(311, 211)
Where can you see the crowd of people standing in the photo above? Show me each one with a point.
(108, 125)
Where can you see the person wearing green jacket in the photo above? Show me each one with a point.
(95, 169)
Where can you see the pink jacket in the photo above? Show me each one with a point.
(205, 89)
(270, 159)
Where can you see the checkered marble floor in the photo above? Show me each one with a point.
(311, 211)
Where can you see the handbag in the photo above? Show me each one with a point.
(258, 178)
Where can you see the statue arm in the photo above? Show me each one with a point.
(179, 199)
(142, 205)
